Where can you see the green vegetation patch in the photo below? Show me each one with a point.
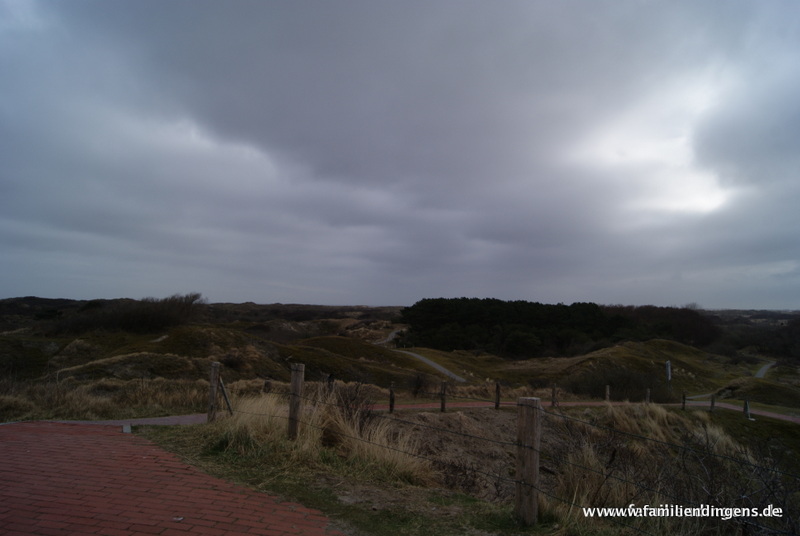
(477, 366)
(764, 391)
(138, 365)
(773, 442)
(633, 367)
(362, 362)
(356, 348)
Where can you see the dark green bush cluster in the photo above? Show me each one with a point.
(526, 329)
(777, 341)
(142, 316)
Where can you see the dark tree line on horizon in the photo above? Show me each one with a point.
(513, 329)
(519, 329)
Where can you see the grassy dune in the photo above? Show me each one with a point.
(409, 476)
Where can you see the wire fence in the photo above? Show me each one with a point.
(776, 483)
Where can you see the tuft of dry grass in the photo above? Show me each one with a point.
(644, 454)
(337, 430)
(648, 420)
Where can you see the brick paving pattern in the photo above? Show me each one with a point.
(60, 479)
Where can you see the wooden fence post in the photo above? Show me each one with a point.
(443, 395)
(529, 438)
(713, 399)
(608, 393)
(329, 383)
(212, 392)
(391, 397)
(225, 396)
(647, 396)
(553, 397)
(296, 398)
(747, 409)
(496, 395)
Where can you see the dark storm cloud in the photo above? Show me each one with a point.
(377, 91)
(381, 152)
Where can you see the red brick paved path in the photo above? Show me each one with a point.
(77, 479)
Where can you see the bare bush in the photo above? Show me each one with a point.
(143, 316)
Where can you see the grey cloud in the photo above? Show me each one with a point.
(756, 140)
(398, 92)
(382, 152)
(751, 135)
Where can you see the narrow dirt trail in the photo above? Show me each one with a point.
(762, 372)
(201, 417)
(433, 364)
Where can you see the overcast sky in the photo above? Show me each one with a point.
(380, 152)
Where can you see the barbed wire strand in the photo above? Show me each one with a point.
(493, 476)
(341, 434)
(423, 425)
(453, 395)
(504, 443)
(575, 419)
(498, 477)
